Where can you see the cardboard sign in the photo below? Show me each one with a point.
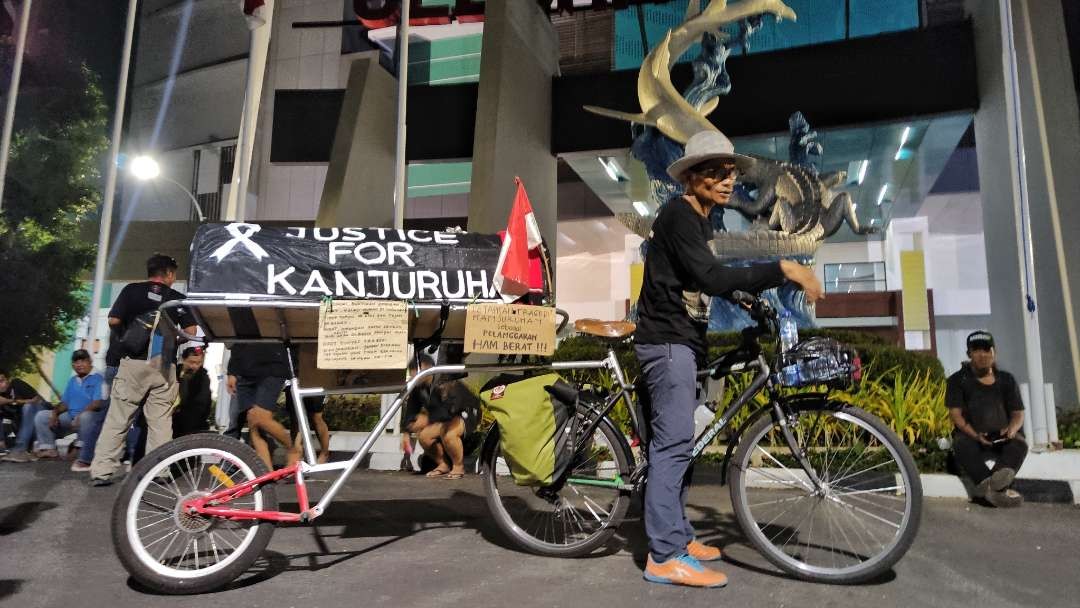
(311, 375)
(363, 334)
(510, 329)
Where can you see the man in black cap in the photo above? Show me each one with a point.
(986, 409)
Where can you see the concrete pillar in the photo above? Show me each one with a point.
(359, 188)
(1050, 127)
(513, 118)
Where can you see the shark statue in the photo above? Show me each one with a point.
(662, 105)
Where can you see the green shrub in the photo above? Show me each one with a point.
(874, 351)
(1069, 429)
(357, 413)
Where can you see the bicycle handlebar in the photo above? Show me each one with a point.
(565, 319)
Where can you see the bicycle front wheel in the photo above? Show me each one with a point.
(852, 526)
(171, 551)
(570, 521)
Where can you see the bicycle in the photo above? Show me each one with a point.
(849, 473)
(197, 512)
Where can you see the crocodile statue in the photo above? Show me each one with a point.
(793, 198)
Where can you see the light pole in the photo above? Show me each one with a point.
(144, 168)
(13, 94)
(110, 178)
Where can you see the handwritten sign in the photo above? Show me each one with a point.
(510, 329)
(363, 334)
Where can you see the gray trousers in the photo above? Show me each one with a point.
(670, 372)
(136, 383)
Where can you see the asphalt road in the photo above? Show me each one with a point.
(399, 540)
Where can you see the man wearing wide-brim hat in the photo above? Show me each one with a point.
(681, 274)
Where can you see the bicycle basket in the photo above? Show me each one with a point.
(820, 361)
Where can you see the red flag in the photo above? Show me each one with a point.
(255, 11)
(512, 274)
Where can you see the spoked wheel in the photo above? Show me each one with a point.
(171, 551)
(573, 520)
(862, 518)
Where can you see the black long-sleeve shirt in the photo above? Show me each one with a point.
(681, 273)
(193, 413)
(259, 361)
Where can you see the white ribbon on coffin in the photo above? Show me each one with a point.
(240, 237)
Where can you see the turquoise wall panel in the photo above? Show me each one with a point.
(819, 21)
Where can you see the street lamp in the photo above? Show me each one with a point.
(145, 168)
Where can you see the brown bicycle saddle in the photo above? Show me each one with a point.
(605, 329)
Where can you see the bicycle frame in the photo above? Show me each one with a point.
(214, 504)
(625, 391)
(753, 360)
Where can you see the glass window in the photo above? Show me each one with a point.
(855, 277)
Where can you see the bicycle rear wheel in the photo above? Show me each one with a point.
(570, 521)
(858, 524)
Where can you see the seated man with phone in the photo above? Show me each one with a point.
(986, 409)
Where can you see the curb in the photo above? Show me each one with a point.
(945, 485)
(940, 485)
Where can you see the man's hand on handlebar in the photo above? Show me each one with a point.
(803, 277)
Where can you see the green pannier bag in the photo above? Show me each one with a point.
(535, 428)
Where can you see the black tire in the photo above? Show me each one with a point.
(877, 564)
(489, 456)
(136, 558)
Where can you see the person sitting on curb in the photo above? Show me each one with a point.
(988, 413)
(21, 402)
(79, 407)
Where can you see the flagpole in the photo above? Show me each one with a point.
(13, 96)
(236, 204)
(402, 99)
(110, 177)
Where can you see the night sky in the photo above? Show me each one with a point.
(63, 35)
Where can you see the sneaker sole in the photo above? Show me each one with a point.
(1004, 502)
(1001, 479)
(667, 581)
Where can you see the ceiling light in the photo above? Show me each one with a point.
(641, 208)
(881, 194)
(862, 171)
(903, 140)
(611, 167)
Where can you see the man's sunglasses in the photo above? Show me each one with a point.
(720, 172)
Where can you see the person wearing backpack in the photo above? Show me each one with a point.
(681, 274)
(138, 380)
